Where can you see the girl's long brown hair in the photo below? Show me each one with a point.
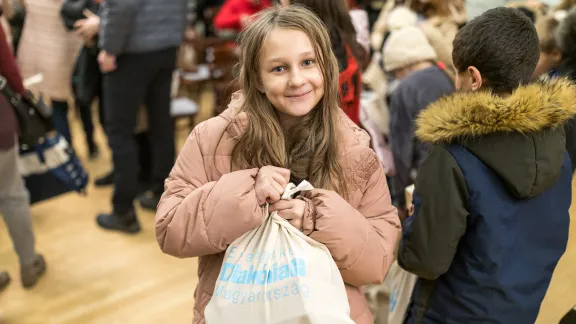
(310, 148)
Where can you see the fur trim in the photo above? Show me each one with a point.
(529, 109)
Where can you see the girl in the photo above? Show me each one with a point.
(352, 57)
(286, 126)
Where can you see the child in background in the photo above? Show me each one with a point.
(491, 204)
(550, 53)
(286, 126)
(557, 34)
(411, 60)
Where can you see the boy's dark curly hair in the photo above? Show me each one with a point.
(502, 44)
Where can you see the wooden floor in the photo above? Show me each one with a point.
(96, 276)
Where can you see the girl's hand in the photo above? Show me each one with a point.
(270, 184)
(290, 210)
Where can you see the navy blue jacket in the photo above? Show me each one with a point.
(492, 203)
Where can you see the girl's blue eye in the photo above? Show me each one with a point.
(307, 62)
(278, 69)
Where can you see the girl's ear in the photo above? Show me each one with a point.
(259, 85)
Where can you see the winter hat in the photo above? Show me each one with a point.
(407, 46)
(400, 17)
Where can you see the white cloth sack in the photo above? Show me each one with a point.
(276, 274)
(401, 284)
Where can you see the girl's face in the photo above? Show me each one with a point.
(289, 74)
(284, 3)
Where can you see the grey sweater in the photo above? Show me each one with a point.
(141, 26)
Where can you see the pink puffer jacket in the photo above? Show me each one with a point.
(205, 207)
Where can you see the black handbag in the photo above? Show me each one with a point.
(33, 117)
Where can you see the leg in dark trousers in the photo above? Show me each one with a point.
(108, 178)
(86, 116)
(126, 89)
(161, 131)
(60, 118)
(161, 125)
(144, 158)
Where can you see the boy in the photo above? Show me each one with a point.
(491, 201)
(410, 58)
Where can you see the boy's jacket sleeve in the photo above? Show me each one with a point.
(431, 235)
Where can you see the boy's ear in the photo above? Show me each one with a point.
(475, 78)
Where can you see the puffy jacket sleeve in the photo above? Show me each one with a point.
(362, 240)
(199, 217)
(432, 234)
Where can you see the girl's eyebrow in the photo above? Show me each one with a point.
(283, 59)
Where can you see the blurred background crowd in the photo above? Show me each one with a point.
(173, 64)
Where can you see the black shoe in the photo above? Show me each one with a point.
(127, 223)
(106, 180)
(149, 200)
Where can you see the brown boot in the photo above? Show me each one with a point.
(4, 280)
(31, 273)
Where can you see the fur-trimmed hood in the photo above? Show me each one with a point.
(519, 137)
(529, 109)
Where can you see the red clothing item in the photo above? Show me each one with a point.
(232, 10)
(350, 81)
(8, 69)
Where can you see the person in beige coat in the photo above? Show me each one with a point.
(286, 126)
(46, 47)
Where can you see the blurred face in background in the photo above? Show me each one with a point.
(284, 2)
(547, 62)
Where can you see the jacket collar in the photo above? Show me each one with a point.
(529, 109)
